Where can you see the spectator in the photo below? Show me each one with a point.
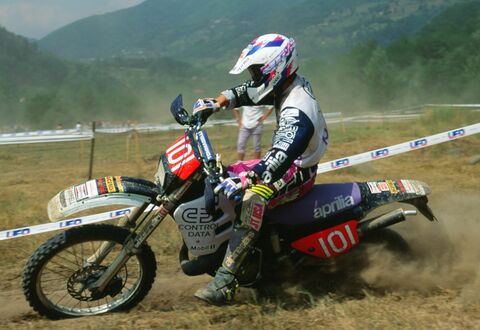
(250, 123)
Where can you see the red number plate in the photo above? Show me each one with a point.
(181, 159)
(330, 242)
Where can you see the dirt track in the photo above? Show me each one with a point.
(438, 290)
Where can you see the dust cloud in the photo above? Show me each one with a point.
(447, 256)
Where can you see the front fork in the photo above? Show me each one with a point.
(133, 243)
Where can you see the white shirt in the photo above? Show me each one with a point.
(251, 115)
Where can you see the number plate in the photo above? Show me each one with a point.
(181, 158)
(330, 242)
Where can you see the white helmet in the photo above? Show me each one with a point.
(270, 59)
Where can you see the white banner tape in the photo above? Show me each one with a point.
(75, 135)
(43, 138)
(68, 223)
(68, 131)
(324, 167)
(399, 148)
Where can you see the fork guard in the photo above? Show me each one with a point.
(105, 191)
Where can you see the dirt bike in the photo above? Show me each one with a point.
(94, 269)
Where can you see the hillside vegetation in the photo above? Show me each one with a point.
(210, 31)
(38, 90)
(438, 63)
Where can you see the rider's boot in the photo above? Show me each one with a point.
(222, 288)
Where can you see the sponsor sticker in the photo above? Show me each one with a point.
(101, 186)
(162, 211)
(400, 186)
(85, 190)
(408, 186)
(373, 188)
(257, 215)
(118, 181)
(383, 186)
(418, 188)
(68, 196)
(110, 184)
(391, 186)
(81, 192)
(92, 189)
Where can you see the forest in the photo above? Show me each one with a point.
(439, 63)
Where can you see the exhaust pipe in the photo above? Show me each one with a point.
(383, 221)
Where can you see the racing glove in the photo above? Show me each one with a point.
(232, 188)
(204, 108)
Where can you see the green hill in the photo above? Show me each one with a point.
(40, 91)
(211, 31)
(24, 70)
(439, 64)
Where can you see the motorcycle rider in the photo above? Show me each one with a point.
(288, 169)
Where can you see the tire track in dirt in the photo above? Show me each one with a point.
(171, 288)
(445, 275)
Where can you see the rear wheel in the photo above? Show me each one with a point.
(57, 276)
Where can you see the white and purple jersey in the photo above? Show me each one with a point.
(301, 137)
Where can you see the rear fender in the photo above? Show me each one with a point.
(413, 192)
(105, 191)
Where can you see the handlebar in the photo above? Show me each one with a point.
(194, 124)
(212, 163)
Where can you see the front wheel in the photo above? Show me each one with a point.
(57, 276)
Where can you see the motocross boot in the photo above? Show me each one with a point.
(221, 290)
(245, 232)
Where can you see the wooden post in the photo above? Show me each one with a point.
(137, 147)
(82, 151)
(92, 150)
(127, 146)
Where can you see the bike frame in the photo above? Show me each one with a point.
(163, 206)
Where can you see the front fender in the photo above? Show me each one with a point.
(110, 190)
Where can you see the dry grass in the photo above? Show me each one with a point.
(439, 292)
